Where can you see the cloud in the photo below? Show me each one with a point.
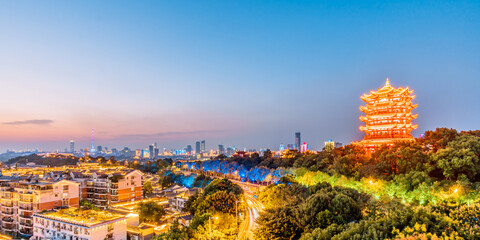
(32, 122)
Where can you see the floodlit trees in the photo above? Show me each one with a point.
(150, 212)
(147, 188)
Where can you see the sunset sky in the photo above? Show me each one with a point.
(243, 73)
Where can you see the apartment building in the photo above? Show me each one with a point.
(21, 197)
(105, 188)
(76, 224)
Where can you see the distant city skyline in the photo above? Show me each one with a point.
(245, 74)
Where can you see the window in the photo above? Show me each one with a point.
(65, 187)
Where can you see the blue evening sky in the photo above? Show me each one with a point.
(243, 73)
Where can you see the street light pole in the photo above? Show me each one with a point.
(210, 227)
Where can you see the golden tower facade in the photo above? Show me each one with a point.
(388, 115)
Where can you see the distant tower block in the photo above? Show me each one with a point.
(388, 116)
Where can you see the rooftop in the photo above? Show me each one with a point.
(77, 216)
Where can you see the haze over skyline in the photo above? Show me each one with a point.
(248, 74)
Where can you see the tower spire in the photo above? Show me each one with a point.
(93, 142)
(387, 83)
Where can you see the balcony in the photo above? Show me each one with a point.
(8, 197)
(7, 219)
(7, 205)
(25, 207)
(7, 226)
(26, 224)
(8, 213)
(27, 216)
(26, 231)
(25, 200)
(101, 191)
(103, 186)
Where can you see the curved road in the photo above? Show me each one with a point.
(254, 207)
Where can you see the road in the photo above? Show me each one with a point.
(254, 207)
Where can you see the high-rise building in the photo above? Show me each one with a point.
(388, 116)
(298, 141)
(197, 147)
(99, 149)
(138, 153)
(156, 151)
(304, 147)
(221, 149)
(230, 151)
(330, 145)
(151, 151)
(202, 146)
(72, 146)
(282, 147)
(189, 149)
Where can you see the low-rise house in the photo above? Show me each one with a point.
(177, 203)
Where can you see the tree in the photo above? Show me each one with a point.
(88, 205)
(282, 195)
(220, 227)
(150, 212)
(267, 154)
(201, 181)
(460, 157)
(277, 224)
(401, 158)
(222, 201)
(223, 185)
(438, 139)
(165, 181)
(147, 188)
(174, 233)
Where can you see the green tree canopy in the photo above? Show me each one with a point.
(150, 212)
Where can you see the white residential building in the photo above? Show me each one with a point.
(75, 224)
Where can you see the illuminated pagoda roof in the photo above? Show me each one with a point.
(388, 115)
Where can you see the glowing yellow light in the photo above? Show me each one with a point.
(388, 115)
